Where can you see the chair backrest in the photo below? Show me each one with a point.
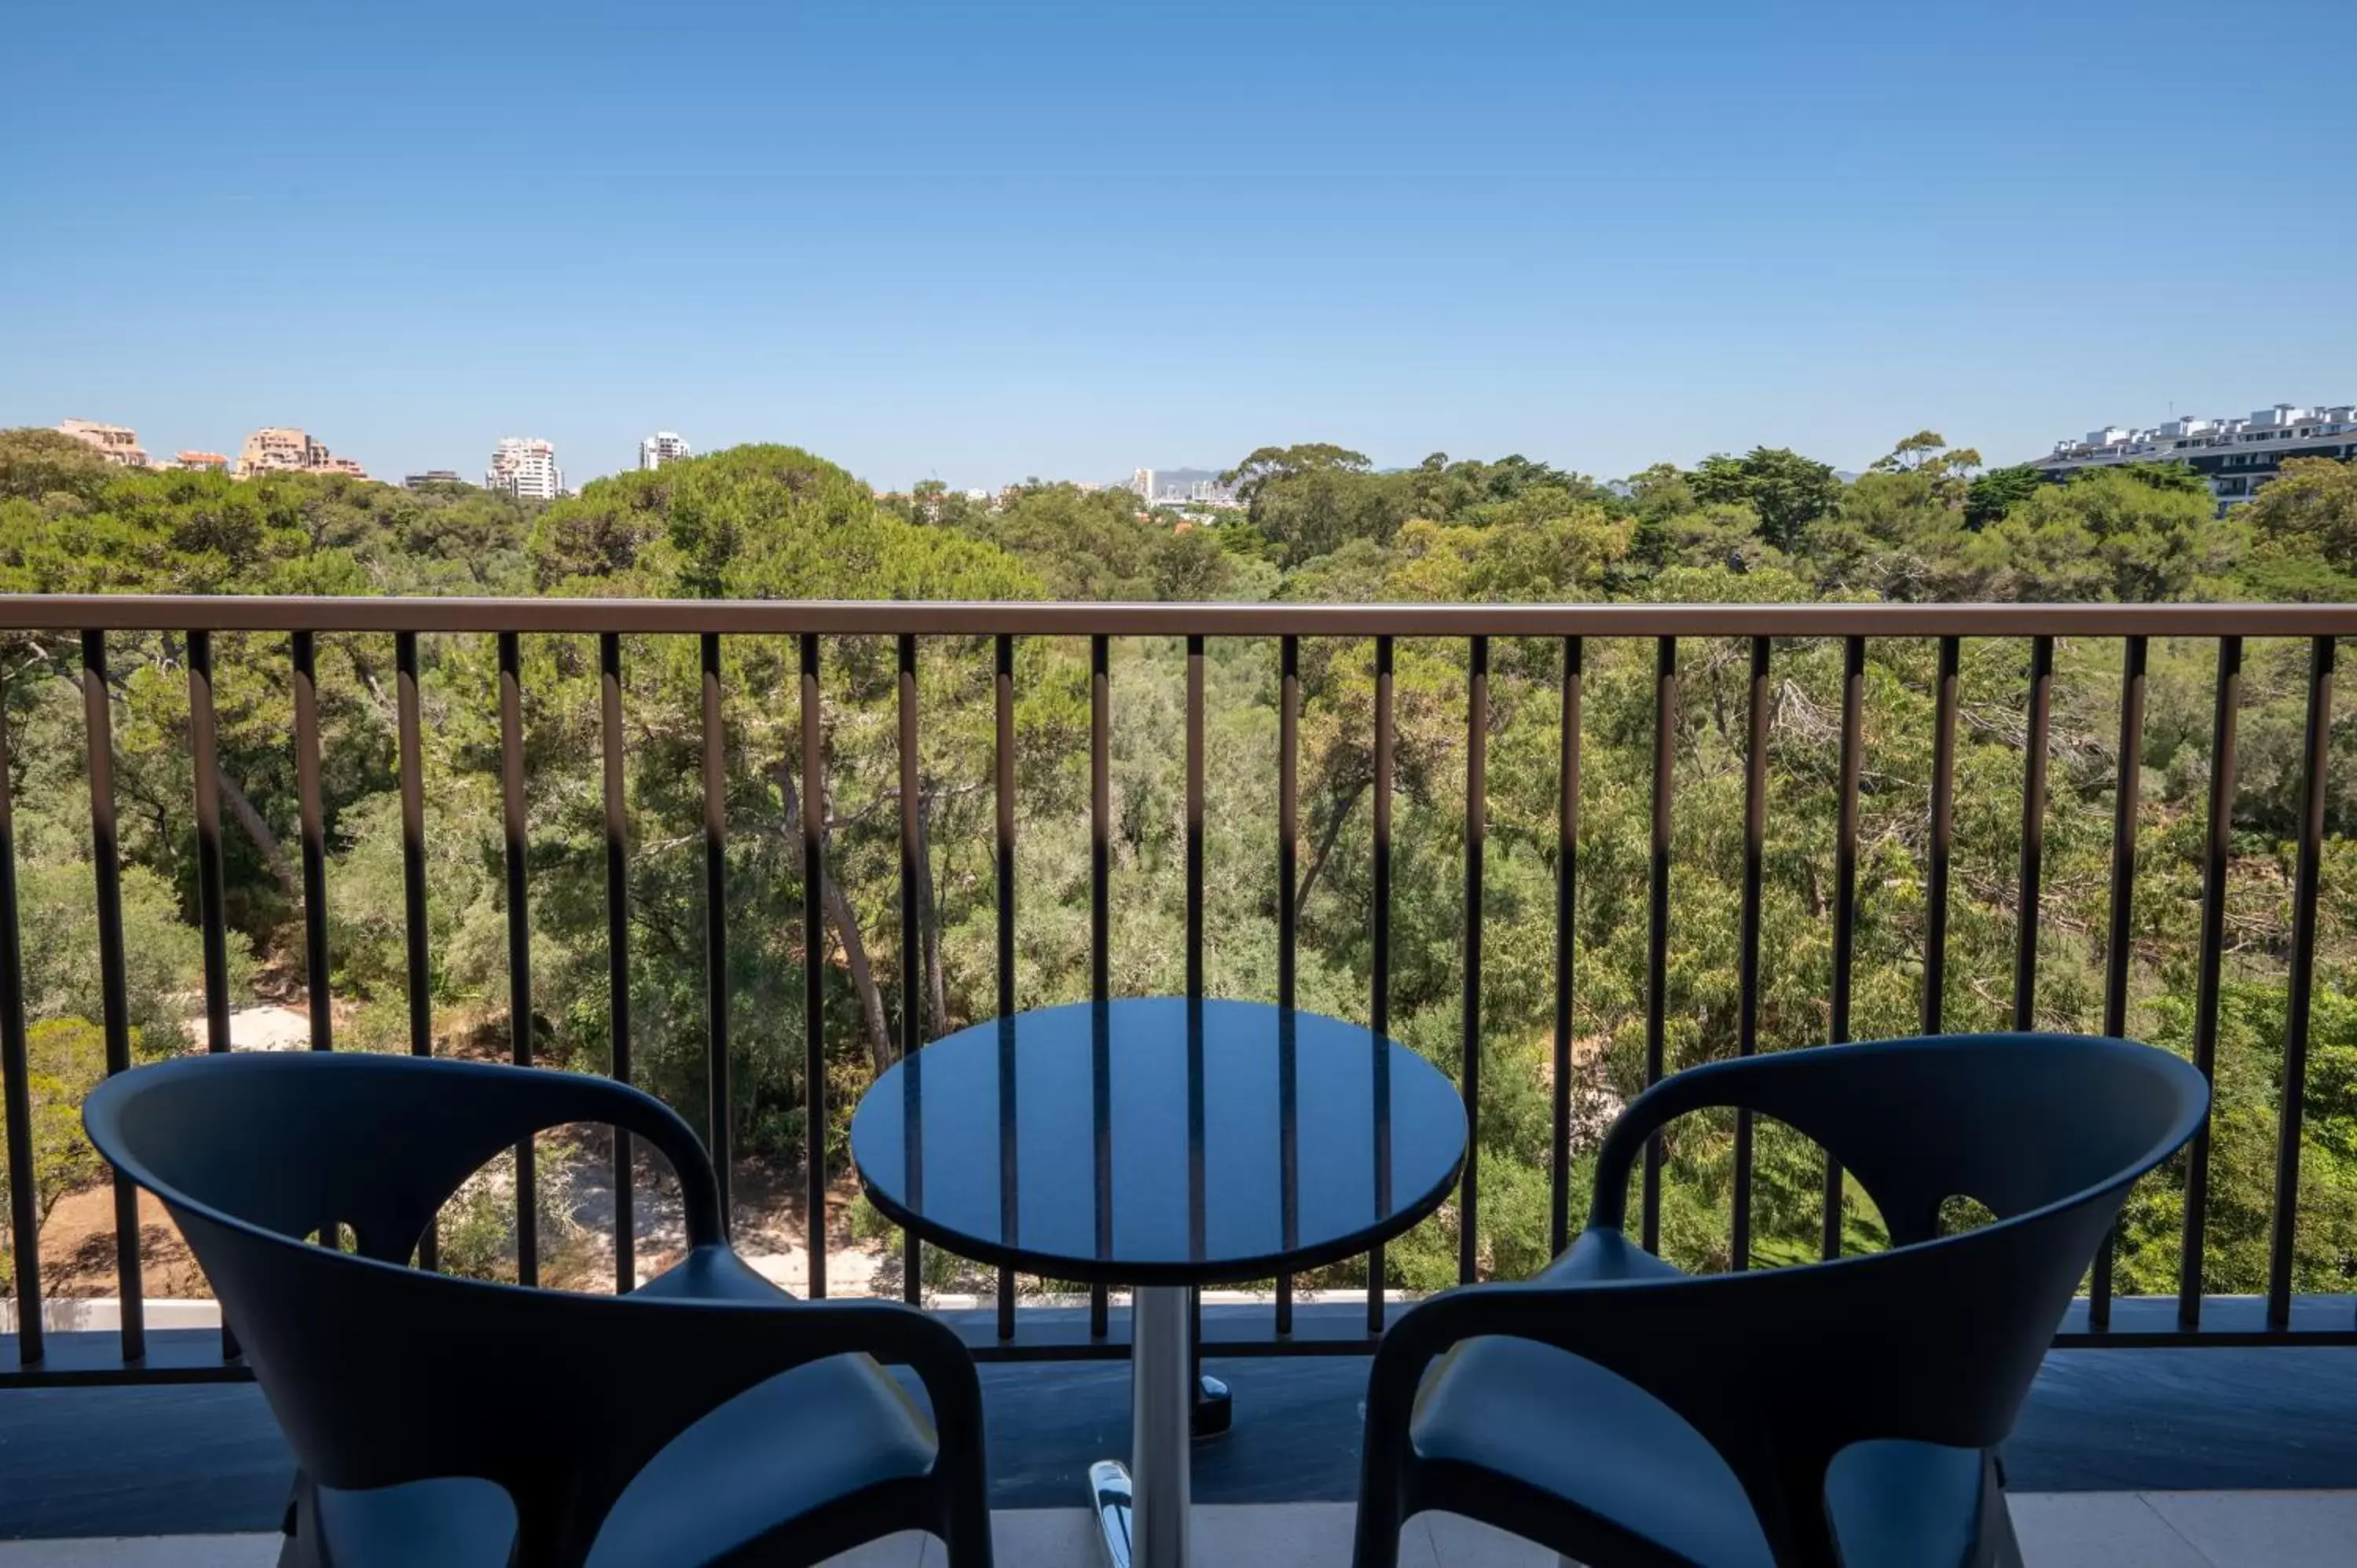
(380, 1373)
(292, 1141)
(1938, 1338)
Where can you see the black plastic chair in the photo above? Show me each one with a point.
(1840, 1414)
(707, 1417)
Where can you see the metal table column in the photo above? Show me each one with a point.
(1142, 1509)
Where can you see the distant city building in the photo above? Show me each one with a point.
(2235, 456)
(272, 450)
(662, 447)
(201, 462)
(435, 477)
(115, 443)
(1142, 481)
(525, 466)
(281, 449)
(1210, 492)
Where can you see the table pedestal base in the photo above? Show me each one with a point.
(1142, 1510)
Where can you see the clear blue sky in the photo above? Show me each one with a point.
(1006, 237)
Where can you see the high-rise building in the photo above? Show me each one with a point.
(282, 449)
(525, 466)
(115, 443)
(662, 447)
(1142, 481)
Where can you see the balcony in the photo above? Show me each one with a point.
(1528, 840)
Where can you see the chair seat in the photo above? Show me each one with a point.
(773, 1454)
(1622, 1479)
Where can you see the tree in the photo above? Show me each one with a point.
(1786, 491)
(1313, 498)
(2308, 509)
(1274, 464)
(65, 1058)
(1927, 451)
(2110, 533)
(1996, 492)
(35, 464)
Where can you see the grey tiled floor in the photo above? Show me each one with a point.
(2057, 1529)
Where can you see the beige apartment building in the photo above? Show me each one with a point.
(115, 443)
(281, 450)
(201, 462)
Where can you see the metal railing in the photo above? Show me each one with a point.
(2190, 1319)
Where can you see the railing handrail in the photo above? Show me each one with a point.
(160, 612)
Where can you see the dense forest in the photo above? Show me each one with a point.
(1927, 522)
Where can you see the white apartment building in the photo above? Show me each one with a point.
(2236, 456)
(663, 446)
(525, 466)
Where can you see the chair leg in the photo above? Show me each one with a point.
(2000, 1547)
(1377, 1541)
(965, 1525)
(301, 1546)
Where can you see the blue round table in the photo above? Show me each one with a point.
(1160, 1144)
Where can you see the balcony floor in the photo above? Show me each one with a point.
(2160, 1458)
(2057, 1529)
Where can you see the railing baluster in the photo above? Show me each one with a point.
(1194, 820)
(315, 844)
(204, 756)
(1101, 933)
(618, 943)
(419, 973)
(1747, 1017)
(1002, 778)
(1379, 1005)
(912, 928)
(2313, 783)
(212, 918)
(814, 963)
(24, 1210)
(1566, 910)
(1657, 942)
(717, 1099)
(1477, 791)
(1845, 898)
(515, 826)
(1195, 956)
(106, 863)
(1944, 837)
(2119, 950)
(210, 913)
(2033, 831)
(1289, 828)
(2215, 848)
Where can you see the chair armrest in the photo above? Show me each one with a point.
(505, 1104)
(1856, 1101)
(729, 1347)
(1735, 1083)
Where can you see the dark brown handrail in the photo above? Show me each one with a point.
(135, 612)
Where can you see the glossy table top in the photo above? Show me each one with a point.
(1148, 1142)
